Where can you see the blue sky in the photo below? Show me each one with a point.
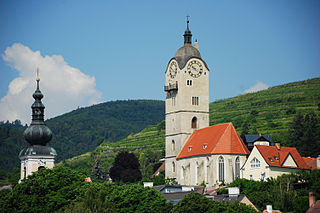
(120, 49)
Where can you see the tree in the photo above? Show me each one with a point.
(44, 191)
(136, 198)
(304, 134)
(125, 168)
(98, 173)
(245, 130)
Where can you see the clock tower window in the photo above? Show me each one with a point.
(194, 123)
(189, 82)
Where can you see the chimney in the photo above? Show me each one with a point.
(312, 198)
(269, 208)
(196, 45)
(277, 144)
(148, 184)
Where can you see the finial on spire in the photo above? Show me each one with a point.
(187, 34)
(38, 79)
(188, 21)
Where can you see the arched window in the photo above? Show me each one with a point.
(194, 123)
(173, 145)
(173, 167)
(221, 168)
(255, 163)
(237, 167)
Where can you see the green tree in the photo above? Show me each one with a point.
(136, 198)
(126, 168)
(304, 134)
(44, 191)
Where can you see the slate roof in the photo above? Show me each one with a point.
(270, 152)
(175, 197)
(253, 138)
(227, 198)
(217, 139)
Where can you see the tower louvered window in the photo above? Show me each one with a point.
(237, 167)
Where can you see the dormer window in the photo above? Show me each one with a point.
(204, 146)
(276, 158)
(189, 149)
(270, 159)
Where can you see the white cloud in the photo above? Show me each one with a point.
(64, 87)
(258, 87)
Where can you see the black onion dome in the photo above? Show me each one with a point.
(37, 133)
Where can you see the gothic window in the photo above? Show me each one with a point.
(173, 167)
(173, 145)
(221, 168)
(255, 163)
(194, 123)
(237, 167)
(195, 100)
(24, 172)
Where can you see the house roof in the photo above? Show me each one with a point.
(227, 198)
(272, 156)
(253, 138)
(162, 167)
(311, 162)
(217, 139)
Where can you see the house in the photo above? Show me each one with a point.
(211, 155)
(232, 196)
(162, 167)
(271, 161)
(313, 163)
(175, 193)
(251, 140)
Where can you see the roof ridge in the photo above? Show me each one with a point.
(220, 139)
(243, 146)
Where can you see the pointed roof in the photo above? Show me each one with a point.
(217, 139)
(277, 158)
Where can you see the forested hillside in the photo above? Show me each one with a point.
(81, 130)
(75, 133)
(267, 112)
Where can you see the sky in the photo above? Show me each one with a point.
(90, 52)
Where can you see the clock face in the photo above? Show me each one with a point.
(195, 68)
(173, 69)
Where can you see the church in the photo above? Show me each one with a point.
(196, 152)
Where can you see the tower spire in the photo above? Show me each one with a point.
(187, 34)
(38, 133)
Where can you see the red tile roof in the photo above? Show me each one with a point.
(162, 167)
(217, 139)
(311, 162)
(270, 152)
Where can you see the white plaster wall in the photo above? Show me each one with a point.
(205, 168)
(255, 172)
(32, 163)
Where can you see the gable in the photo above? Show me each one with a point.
(289, 161)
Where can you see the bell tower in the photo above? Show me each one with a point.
(186, 99)
(38, 155)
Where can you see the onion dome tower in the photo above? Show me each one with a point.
(38, 155)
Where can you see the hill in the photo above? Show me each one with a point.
(82, 130)
(267, 112)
